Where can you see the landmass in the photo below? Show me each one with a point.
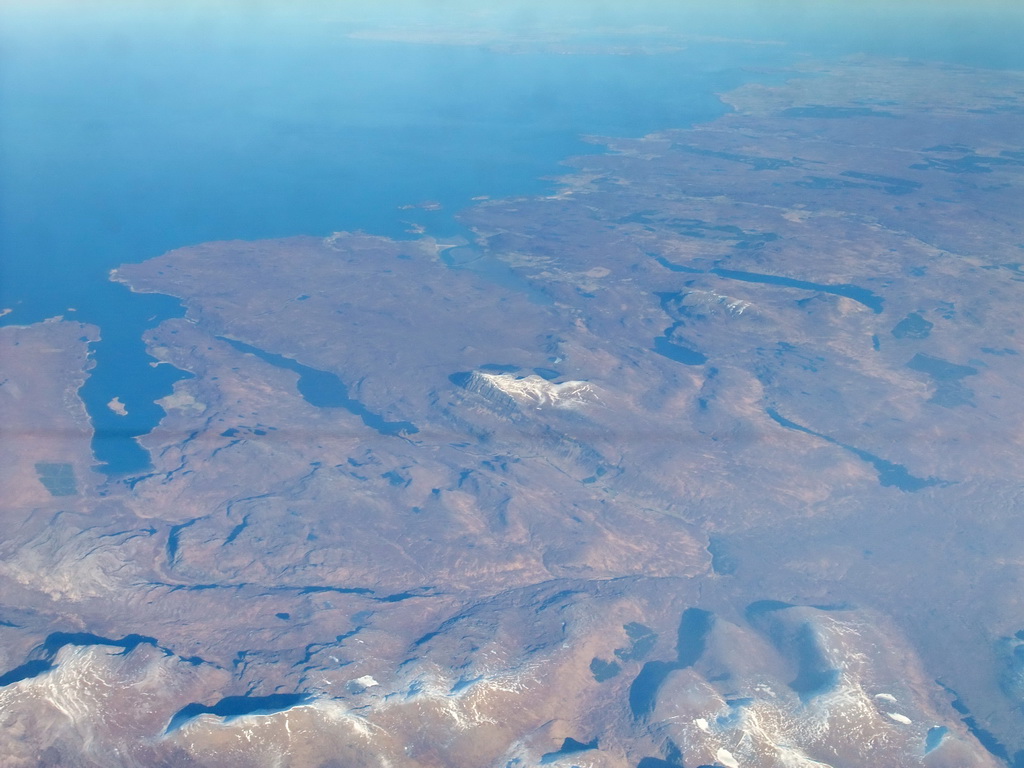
(45, 452)
(708, 458)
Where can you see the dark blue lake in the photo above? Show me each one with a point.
(691, 639)
(128, 131)
(934, 738)
(325, 390)
(890, 474)
(239, 706)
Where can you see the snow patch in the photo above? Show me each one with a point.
(538, 392)
(724, 756)
(711, 300)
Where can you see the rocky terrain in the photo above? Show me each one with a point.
(712, 458)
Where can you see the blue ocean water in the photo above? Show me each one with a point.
(127, 133)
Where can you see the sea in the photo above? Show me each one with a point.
(130, 129)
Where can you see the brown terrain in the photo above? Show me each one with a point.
(711, 458)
